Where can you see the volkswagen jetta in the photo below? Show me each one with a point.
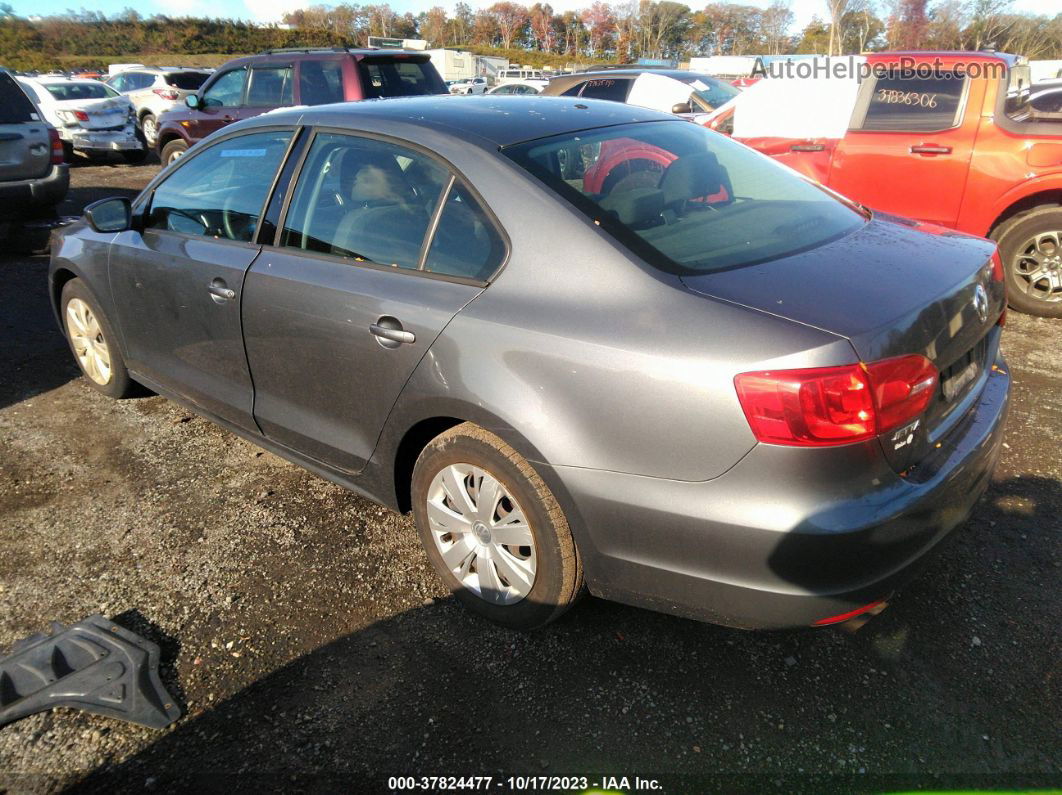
(588, 346)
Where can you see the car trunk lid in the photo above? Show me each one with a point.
(892, 291)
(103, 114)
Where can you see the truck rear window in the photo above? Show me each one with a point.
(399, 77)
(15, 106)
(914, 104)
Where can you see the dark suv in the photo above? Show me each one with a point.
(251, 86)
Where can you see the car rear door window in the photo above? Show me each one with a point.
(607, 88)
(466, 243)
(186, 81)
(219, 192)
(270, 86)
(227, 90)
(320, 82)
(913, 104)
(364, 200)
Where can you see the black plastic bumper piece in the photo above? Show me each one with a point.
(93, 665)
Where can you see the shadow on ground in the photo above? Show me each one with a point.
(933, 691)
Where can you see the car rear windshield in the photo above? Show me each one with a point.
(685, 199)
(187, 81)
(65, 91)
(399, 77)
(15, 106)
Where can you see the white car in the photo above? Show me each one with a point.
(91, 117)
(153, 91)
(474, 85)
(525, 87)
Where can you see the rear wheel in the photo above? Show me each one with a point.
(1030, 246)
(492, 529)
(172, 151)
(92, 341)
(149, 126)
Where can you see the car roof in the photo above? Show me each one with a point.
(492, 120)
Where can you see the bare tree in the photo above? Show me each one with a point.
(837, 10)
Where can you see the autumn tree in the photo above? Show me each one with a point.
(511, 19)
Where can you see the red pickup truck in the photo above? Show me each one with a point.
(948, 138)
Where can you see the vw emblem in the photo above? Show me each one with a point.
(980, 302)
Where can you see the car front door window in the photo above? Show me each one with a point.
(219, 192)
(227, 90)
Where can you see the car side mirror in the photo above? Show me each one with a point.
(192, 101)
(681, 107)
(110, 215)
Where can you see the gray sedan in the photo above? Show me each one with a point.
(589, 346)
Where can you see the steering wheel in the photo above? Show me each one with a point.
(232, 220)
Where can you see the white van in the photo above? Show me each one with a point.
(517, 75)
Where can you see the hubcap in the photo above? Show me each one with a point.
(86, 337)
(149, 129)
(1038, 266)
(482, 534)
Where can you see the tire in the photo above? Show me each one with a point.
(149, 128)
(173, 150)
(135, 157)
(462, 459)
(117, 383)
(1036, 232)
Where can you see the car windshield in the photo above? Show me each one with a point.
(187, 81)
(711, 91)
(65, 91)
(685, 199)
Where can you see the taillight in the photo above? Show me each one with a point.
(902, 388)
(997, 267)
(80, 115)
(823, 406)
(166, 93)
(57, 146)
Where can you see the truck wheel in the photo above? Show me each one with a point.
(492, 529)
(94, 343)
(173, 150)
(1030, 246)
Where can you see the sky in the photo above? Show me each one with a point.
(273, 10)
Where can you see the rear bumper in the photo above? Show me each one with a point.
(16, 198)
(788, 536)
(88, 141)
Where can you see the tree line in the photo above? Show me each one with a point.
(620, 31)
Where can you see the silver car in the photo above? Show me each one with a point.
(153, 91)
(589, 346)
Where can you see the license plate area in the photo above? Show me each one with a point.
(956, 380)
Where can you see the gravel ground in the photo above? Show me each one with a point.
(310, 645)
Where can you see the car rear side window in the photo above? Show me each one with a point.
(913, 104)
(15, 106)
(227, 90)
(466, 243)
(607, 88)
(270, 86)
(186, 81)
(320, 82)
(391, 77)
(219, 192)
(364, 200)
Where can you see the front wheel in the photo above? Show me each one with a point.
(172, 151)
(92, 341)
(493, 530)
(1030, 246)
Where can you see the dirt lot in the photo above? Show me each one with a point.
(309, 644)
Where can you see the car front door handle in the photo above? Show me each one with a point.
(390, 333)
(221, 291)
(930, 149)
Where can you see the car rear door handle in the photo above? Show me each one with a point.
(389, 332)
(807, 147)
(930, 149)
